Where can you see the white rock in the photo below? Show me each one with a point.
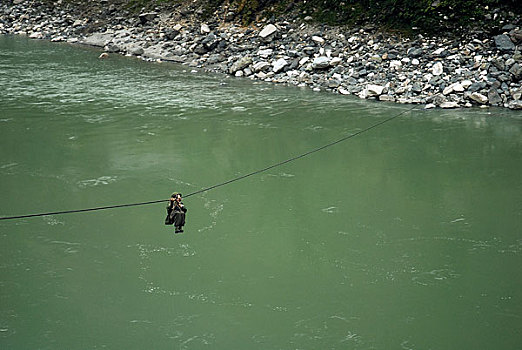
(321, 62)
(456, 87)
(415, 62)
(386, 98)
(374, 90)
(268, 30)
(343, 91)
(437, 69)
(429, 106)
(278, 65)
(36, 35)
(265, 53)
(335, 61)
(303, 60)
(318, 39)
(517, 105)
(363, 94)
(261, 66)
(466, 83)
(205, 29)
(438, 51)
(478, 97)
(447, 105)
(395, 64)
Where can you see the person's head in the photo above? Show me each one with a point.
(176, 196)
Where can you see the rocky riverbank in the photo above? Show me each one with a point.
(476, 69)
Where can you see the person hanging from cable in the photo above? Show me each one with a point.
(176, 212)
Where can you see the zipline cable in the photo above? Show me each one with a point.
(216, 185)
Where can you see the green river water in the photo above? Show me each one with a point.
(405, 237)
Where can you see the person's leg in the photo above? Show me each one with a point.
(179, 221)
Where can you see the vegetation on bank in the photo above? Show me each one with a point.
(429, 16)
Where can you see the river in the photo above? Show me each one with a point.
(407, 236)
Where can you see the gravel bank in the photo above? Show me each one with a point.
(476, 69)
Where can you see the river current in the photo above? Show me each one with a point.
(407, 236)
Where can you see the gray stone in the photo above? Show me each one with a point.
(147, 17)
(97, 39)
(333, 83)
(240, 64)
(416, 87)
(414, 52)
(516, 70)
(136, 50)
(111, 47)
(493, 97)
(504, 43)
(201, 49)
(153, 52)
(171, 33)
(476, 86)
(215, 58)
(516, 35)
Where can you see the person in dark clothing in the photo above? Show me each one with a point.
(176, 212)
